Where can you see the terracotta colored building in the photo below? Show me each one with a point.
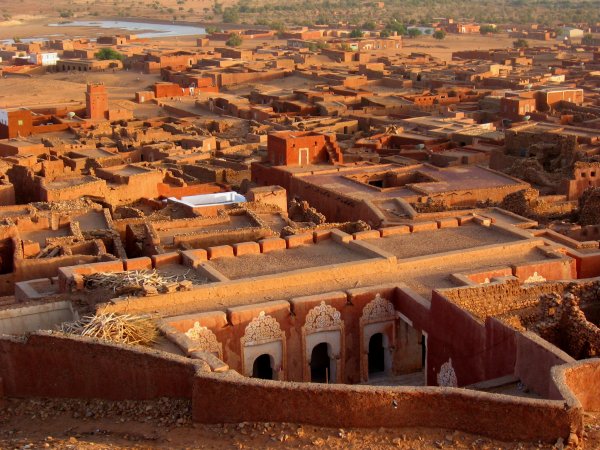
(515, 108)
(549, 98)
(299, 149)
(15, 123)
(96, 100)
(463, 28)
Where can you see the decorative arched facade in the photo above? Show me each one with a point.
(324, 325)
(263, 335)
(204, 340)
(379, 316)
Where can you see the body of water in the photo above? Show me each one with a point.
(148, 30)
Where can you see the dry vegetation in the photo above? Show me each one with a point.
(136, 282)
(311, 12)
(117, 328)
(418, 11)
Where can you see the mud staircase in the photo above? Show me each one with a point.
(333, 150)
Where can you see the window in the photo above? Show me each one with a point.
(593, 174)
(20, 122)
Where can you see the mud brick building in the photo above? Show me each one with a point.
(96, 100)
(344, 237)
(300, 149)
(15, 123)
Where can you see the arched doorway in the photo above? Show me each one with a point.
(376, 354)
(262, 367)
(320, 364)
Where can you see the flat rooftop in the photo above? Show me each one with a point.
(323, 254)
(71, 181)
(443, 240)
(168, 232)
(40, 236)
(449, 179)
(127, 170)
(91, 220)
(182, 273)
(93, 153)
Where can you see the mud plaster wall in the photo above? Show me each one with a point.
(95, 188)
(55, 366)
(535, 358)
(29, 269)
(44, 365)
(291, 317)
(222, 237)
(479, 351)
(138, 186)
(585, 175)
(209, 297)
(7, 194)
(583, 379)
(217, 398)
(25, 184)
(336, 207)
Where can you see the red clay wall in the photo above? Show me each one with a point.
(166, 190)
(583, 379)
(19, 124)
(30, 269)
(534, 359)
(54, 366)
(94, 188)
(231, 398)
(48, 365)
(285, 149)
(457, 335)
(588, 265)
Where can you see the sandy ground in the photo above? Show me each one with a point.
(455, 42)
(163, 424)
(55, 89)
(23, 10)
(69, 88)
(31, 26)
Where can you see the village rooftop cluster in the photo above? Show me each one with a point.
(379, 237)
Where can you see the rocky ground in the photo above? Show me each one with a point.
(166, 424)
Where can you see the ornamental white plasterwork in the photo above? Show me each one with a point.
(262, 329)
(379, 309)
(535, 278)
(322, 316)
(447, 376)
(206, 339)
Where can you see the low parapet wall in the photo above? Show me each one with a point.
(46, 364)
(535, 358)
(580, 379)
(23, 318)
(50, 365)
(232, 398)
(198, 299)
